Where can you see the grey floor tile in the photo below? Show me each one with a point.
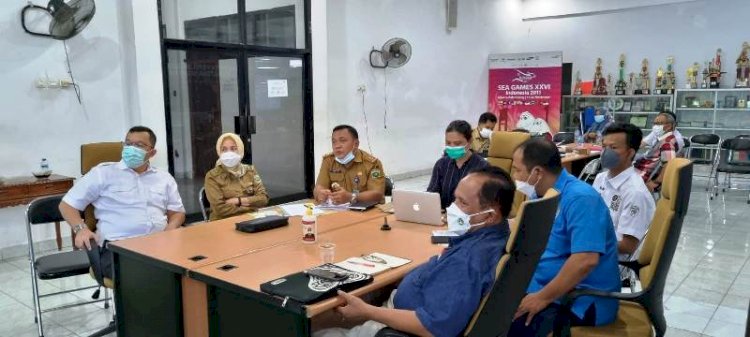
(675, 332)
(716, 328)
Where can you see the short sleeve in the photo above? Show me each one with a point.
(636, 215)
(588, 221)
(376, 180)
(446, 313)
(85, 190)
(174, 201)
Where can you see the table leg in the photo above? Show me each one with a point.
(58, 236)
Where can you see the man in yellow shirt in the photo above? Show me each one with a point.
(349, 174)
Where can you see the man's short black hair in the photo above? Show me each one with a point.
(349, 128)
(633, 135)
(539, 151)
(151, 134)
(487, 117)
(461, 127)
(498, 188)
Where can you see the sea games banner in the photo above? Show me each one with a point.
(524, 91)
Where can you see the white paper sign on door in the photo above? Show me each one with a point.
(277, 88)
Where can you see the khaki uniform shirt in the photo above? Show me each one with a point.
(363, 173)
(221, 185)
(478, 144)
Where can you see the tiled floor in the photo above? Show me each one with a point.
(707, 292)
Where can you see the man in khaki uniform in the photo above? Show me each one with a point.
(349, 174)
(480, 137)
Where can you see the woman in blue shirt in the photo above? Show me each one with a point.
(439, 297)
(458, 160)
(601, 121)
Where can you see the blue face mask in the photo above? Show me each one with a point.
(133, 156)
(599, 118)
(348, 158)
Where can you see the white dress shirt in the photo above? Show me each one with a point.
(631, 205)
(127, 204)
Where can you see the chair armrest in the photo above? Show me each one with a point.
(632, 265)
(568, 299)
(388, 332)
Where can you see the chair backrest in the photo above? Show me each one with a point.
(500, 154)
(39, 211)
(705, 139)
(591, 169)
(203, 202)
(587, 118)
(731, 146)
(564, 138)
(683, 152)
(514, 271)
(94, 154)
(664, 232)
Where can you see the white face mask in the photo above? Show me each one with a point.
(658, 130)
(485, 133)
(528, 189)
(346, 159)
(458, 221)
(230, 159)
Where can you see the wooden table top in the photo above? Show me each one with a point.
(571, 157)
(218, 240)
(406, 240)
(31, 180)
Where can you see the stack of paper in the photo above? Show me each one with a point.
(372, 264)
(333, 207)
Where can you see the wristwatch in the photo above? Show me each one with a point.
(77, 228)
(354, 197)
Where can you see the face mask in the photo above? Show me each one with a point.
(527, 189)
(346, 159)
(599, 118)
(485, 133)
(458, 221)
(455, 152)
(133, 156)
(658, 130)
(230, 159)
(610, 159)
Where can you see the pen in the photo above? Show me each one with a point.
(362, 264)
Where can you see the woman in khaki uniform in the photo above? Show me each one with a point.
(233, 188)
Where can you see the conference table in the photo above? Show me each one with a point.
(162, 279)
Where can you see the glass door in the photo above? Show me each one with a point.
(204, 100)
(276, 111)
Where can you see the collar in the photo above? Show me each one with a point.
(619, 179)
(663, 137)
(121, 165)
(358, 155)
(562, 180)
(496, 229)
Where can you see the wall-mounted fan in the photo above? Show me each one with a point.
(68, 18)
(395, 53)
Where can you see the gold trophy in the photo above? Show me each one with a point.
(692, 76)
(743, 67)
(644, 80)
(621, 85)
(669, 77)
(704, 83)
(659, 84)
(577, 88)
(631, 84)
(600, 84)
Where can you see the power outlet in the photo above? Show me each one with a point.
(361, 88)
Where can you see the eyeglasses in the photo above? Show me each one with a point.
(374, 259)
(139, 145)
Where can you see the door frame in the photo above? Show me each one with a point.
(243, 52)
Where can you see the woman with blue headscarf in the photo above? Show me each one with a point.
(601, 121)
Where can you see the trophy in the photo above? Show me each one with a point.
(659, 84)
(577, 89)
(631, 84)
(600, 84)
(669, 76)
(610, 84)
(692, 76)
(714, 71)
(621, 85)
(704, 83)
(644, 80)
(743, 67)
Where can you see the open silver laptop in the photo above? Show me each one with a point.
(419, 207)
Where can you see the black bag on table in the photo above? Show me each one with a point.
(305, 288)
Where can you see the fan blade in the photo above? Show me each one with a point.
(70, 19)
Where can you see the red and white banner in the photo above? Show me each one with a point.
(524, 91)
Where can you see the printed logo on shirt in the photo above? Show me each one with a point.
(615, 204)
(634, 210)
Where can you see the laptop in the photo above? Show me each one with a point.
(419, 207)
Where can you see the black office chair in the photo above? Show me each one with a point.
(388, 186)
(564, 138)
(729, 166)
(53, 266)
(203, 202)
(97, 272)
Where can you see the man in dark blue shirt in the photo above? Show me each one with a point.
(439, 297)
(581, 252)
(458, 161)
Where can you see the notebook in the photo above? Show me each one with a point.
(372, 264)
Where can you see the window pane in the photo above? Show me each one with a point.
(201, 20)
(276, 23)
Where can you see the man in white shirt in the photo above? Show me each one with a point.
(131, 197)
(630, 203)
(653, 137)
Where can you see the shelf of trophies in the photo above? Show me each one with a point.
(640, 110)
(725, 112)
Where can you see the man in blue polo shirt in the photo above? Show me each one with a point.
(439, 297)
(581, 252)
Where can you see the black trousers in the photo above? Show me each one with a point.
(543, 322)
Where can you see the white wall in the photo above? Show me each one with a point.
(446, 78)
(50, 123)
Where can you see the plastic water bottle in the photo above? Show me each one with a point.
(579, 137)
(598, 137)
(44, 165)
(309, 227)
